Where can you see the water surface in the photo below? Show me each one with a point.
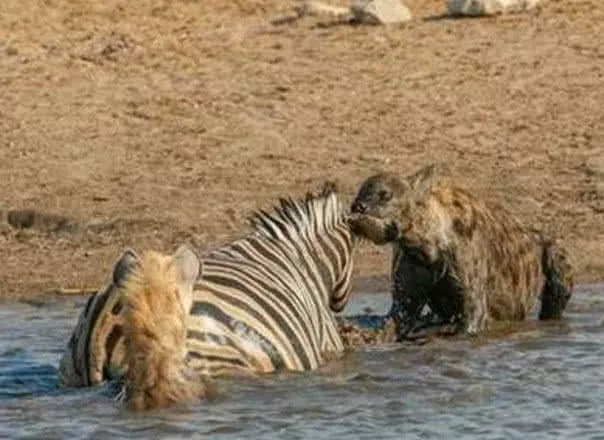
(540, 381)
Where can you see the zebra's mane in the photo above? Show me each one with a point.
(314, 213)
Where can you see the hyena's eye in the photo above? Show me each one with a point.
(385, 195)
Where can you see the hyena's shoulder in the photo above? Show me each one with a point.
(472, 216)
(485, 237)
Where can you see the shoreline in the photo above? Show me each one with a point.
(145, 127)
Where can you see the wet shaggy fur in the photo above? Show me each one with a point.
(470, 262)
(157, 299)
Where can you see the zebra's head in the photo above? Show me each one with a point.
(316, 229)
(95, 349)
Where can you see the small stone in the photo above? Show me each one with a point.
(475, 8)
(380, 11)
(30, 218)
(21, 219)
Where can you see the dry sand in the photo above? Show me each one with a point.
(145, 123)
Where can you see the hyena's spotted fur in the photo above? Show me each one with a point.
(468, 261)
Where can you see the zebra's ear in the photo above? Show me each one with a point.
(187, 263)
(329, 187)
(123, 266)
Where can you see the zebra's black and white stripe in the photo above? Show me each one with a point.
(95, 350)
(262, 303)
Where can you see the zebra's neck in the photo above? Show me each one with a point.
(309, 234)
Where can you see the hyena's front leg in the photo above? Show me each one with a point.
(379, 231)
(476, 313)
(406, 311)
(408, 298)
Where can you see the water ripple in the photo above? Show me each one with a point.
(539, 381)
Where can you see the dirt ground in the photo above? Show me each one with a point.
(146, 123)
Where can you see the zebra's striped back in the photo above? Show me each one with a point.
(260, 304)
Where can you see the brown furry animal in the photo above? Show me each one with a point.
(157, 295)
(468, 261)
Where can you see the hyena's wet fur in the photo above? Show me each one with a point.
(469, 261)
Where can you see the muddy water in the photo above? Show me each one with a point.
(539, 381)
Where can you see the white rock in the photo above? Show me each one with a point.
(488, 7)
(380, 11)
(315, 8)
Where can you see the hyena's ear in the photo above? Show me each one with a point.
(187, 265)
(423, 180)
(124, 266)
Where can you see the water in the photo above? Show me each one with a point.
(540, 381)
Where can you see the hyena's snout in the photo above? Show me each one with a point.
(358, 207)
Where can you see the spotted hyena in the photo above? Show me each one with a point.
(470, 262)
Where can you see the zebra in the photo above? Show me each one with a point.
(260, 304)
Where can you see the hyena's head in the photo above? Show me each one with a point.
(413, 205)
(388, 196)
